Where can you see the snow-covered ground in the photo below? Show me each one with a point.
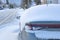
(9, 30)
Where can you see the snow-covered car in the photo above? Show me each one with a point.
(41, 22)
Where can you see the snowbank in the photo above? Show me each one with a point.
(9, 32)
(9, 15)
(9, 24)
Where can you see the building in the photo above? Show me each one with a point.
(49, 1)
(43, 1)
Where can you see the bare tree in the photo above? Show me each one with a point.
(37, 2)
(7, 1)
(0, 2)
(27, 3)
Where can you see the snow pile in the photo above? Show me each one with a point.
(8, 32)
(8, 15)
(19, 11)
(10, 29)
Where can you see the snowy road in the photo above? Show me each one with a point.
(9, 31)
(9, 24)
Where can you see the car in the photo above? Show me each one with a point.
(41, 22)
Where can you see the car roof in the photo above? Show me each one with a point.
(43, 12)
(43, 8)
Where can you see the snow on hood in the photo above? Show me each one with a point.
(50, 12)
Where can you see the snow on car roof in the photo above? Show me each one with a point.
(50, 12)
(42, 8)
(43, 12)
